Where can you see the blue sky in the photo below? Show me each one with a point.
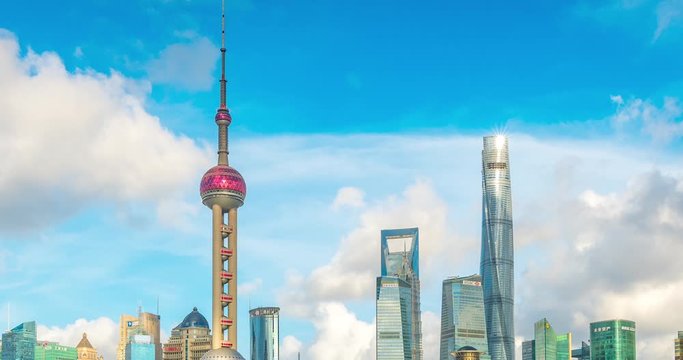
(349, 117)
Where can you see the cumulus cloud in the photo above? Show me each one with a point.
(103, 334)
(668, 12)
(290, 348)
(73, 139)
(663, 123)
(249, 287)
(340, 335)
(617, 257)
(189, 65)
(349, 197)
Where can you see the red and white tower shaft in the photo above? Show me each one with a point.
(223, 190)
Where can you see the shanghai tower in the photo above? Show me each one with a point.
(497, 253)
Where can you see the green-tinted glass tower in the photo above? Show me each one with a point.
(546, 340)
(20, 342)
(678, 346)
(613, 340)
(462, 316)
(53, 351)
(264, 323)
(564, 347)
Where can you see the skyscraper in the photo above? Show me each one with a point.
(545, 340)
(223, 190)
(497, 256)
(190, 339)
(613, 340)
(145, 322)
(265, 333)
(140, 347)
(398, 296)
(462, 316)
(529, 350)
(20, 342)
(678, 346)
(564, 346)
(47, 350)
(582, 353)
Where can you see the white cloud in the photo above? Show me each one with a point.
(431, 335)
(73, 139)
(103, 334)
(349, 196)
(249, 287)
(668, 12)
(340, 335)
(188, 65)
(663, 124)
(290, 348)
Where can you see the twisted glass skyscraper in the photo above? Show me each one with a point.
(497, 265)
(399, 335)
(265, 333)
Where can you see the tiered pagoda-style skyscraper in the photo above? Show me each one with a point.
(223, 190)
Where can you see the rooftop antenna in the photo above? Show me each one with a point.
(223, 81)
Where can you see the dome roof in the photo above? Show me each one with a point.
(193, 319)
(223, 185)
(222, 354)
(467, 348)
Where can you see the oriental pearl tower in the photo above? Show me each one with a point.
(223, 190)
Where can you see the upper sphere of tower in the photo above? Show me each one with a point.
(223, 115)
(223, 185)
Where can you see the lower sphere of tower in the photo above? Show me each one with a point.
(223, 185)
(222, 354)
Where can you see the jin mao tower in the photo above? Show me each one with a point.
(223, 190)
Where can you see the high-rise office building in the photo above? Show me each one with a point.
(582, 353)
(497, 255)
(86, 351)
(223, 190)
(140, 347)
(545, 340)
(399, 269)
(613, 340)
(678, 346)
(564, 346)
(394, 322)
(190, 340)
(462, 316)
(146, 322)
(529, 350)
(20, 342)
(265, 333)
(46, 350)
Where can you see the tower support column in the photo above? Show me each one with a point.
(232, 268)
(217, 285)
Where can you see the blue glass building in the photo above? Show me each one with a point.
(497, 264)
(140, 347)
(20, 342)
(399, 334)
(265, 333)
(462, 316)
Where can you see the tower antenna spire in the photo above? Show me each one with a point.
(223, 81)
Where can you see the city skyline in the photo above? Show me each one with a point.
(340, 133)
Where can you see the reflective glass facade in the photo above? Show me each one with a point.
(54, 351)
(140, 347)
(497, 265)
(265, 333)
(545, 340)
(613, 340)
(564, 346)
(529, 350)
(582, 353)
(400, 259)
(20, 342)
(678, 346)
(394, 320)
(462, 316)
